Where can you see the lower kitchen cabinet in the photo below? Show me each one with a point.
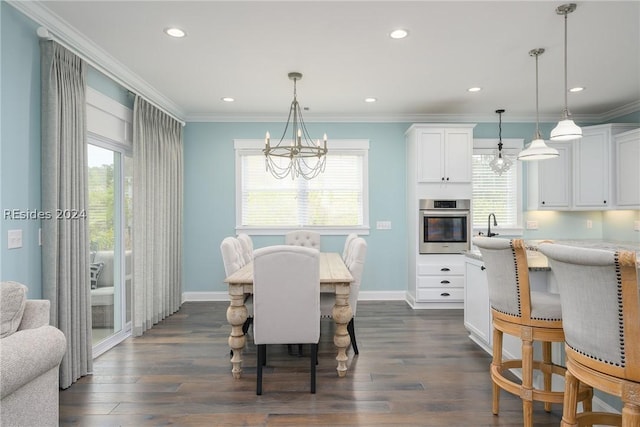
(477, 311)
(440, 280)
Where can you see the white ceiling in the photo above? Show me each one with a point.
(244, 49)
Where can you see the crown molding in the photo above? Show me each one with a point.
(94, 55)
(621, 111)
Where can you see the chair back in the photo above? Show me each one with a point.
(232, 255)
(508, 278)
(286, 295)
(247, 247)
(355, 264)
(347, 245)
(306, 238)
(600, 307)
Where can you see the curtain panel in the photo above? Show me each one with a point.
(157, 215)
(65, 237)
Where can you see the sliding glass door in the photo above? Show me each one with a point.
(110, 224)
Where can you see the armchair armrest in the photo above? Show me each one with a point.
(28, 354)
(36, 314)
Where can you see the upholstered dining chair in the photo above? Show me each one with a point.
(306, 238)
(601, 317)
(286, 291)
(355, 264)
(347, 245)
(233, 259)
(528, 315)
(247, 247)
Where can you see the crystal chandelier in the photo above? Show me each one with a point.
(566, 130)
(500, 163)
(298, 156)
(537, 149)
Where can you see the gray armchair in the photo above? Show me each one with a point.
(31, 354)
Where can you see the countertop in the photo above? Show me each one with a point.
(539, 262)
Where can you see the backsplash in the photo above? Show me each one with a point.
(605, 225)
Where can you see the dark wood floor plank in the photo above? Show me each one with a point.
(415, 368)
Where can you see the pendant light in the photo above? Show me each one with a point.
(500, 163)
(566, 130)
(537, 149)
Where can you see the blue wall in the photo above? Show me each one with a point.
(209, 210)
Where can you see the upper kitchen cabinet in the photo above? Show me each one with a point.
(627, 159)
(593, 155)
(549, 181)
(442, 152)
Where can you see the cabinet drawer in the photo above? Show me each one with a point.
(441, 281)
(441, 269)
(441, 294)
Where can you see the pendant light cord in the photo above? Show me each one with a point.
(566, 98)
(537, 113)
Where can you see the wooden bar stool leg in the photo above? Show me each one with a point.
(497, 363)
(527, 377)
(570, 402)
(546, 358)
(630, 415)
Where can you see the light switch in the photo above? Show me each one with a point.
(532, 225)
(14, 239)
(383, 225)
(636, 225)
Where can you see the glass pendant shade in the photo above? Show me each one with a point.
(566, 130)
(538, 150)
(500, 164)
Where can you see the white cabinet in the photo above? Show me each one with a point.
(443, 154)
(593, 181)
(477, 310)
(549, 181)
(627, 154)
(440, 279)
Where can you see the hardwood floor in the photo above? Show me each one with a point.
(415, 368)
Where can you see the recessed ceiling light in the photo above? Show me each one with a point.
(228, 99)
(398, 34)
(577, 89)
(175, 32)
(474, 89)
(370, 99)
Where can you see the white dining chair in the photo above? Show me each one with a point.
(355, 264)
(601, 316)
(247, 247)
(347, 245)
(233, 259)
(286, 291)
(306, 238)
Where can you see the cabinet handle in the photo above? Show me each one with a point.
(447, 178)
(443, 178)
(445, 269)
(605, 202)
(445, 294)
(445, 282)
(543, 202)
(482, 267)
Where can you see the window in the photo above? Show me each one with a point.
(492, 193)
(334, 201)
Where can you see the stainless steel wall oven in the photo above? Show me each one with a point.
(445, 226)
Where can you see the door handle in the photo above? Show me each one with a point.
(483, 268)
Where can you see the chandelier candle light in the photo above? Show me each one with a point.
(566, 130)
(299, 156)
(537, 149)
(500, 163)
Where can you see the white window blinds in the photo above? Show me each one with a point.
(493, 193)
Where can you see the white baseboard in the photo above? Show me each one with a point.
(363, 296)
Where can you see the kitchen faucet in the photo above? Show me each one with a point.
(495, 223)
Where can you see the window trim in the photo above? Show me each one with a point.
(511, 146)
(254, 146)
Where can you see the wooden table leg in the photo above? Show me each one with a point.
(236, 316)
(342, 314)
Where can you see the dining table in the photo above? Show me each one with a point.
(335, 278)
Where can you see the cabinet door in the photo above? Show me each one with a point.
(431, 155)
(627, 170)
(477, 311)
(591, 179)
(554, 179)
(458, 151)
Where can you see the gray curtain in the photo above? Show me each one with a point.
(157, 215)
(65, 239)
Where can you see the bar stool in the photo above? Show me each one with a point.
(528, 315)
(601, 314)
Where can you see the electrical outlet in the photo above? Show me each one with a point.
(532, 225)
(589, 223)
(636, 225)
(14, 239)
